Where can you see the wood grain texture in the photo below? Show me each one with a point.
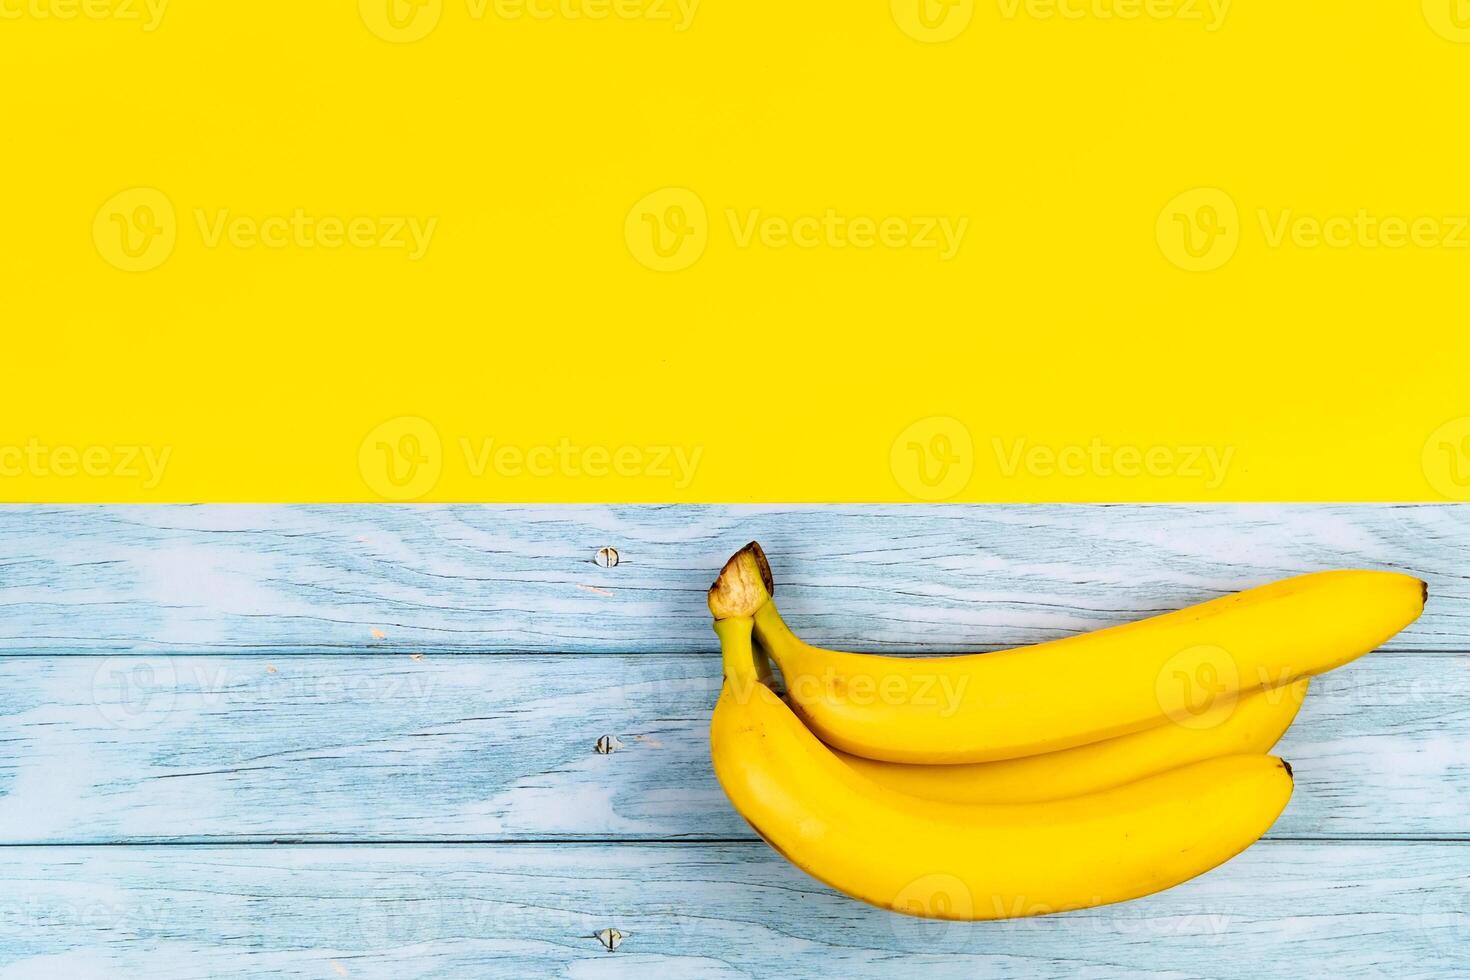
(503, 748)
(171, 913)
(419, 690)
(517, 579)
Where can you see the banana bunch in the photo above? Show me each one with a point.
(1060, 776)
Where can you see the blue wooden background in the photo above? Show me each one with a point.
(360, 741)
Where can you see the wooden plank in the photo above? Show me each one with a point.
(523, 579)
(1279, 910)
(503, 748)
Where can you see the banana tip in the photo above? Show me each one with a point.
(1423, 591)
(1287, 766)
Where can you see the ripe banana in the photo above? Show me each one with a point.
(974, 861)
(1056, 695)
(1250, 725)
(1069, 692)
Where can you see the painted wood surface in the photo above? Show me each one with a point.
(417, 692)
(1282, 909)
(504, 748)
(516, 579)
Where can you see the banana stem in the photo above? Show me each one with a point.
(743, 586)
(771, 631)
(737, 654)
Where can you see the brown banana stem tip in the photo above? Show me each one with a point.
(744, 584)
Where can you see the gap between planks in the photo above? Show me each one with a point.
(327, 841)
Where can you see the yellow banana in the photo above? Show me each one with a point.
(974, 861)
(1069, 692)
(1250, 725)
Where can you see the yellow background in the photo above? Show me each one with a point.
(1071, 144)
